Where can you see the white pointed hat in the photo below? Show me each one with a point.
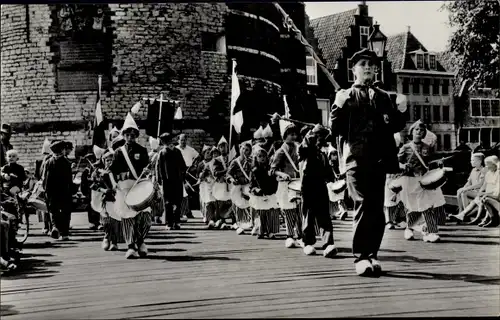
(154, 143)
(258, 134)
(221, 141)
(114, 130)
(129, 123)
(46, 146)
(98, 152)
(205, 148)
(284, 126)
(397, 138)
(267, 132)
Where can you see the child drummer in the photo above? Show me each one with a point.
(221, 191)
(420, 203)
(104, 183)
(263, 200)
(285, 166)
(206, 153)
(207, 180)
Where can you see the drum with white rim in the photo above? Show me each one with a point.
(140, 196)
(295, 190)
(36, 198)
(434, 179)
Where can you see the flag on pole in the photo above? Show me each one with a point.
(287, 110)
(136, 107)
(99, 129)
(167, 117)
(236, 119)
(178, 114)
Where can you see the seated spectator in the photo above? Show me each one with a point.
(13, 175)
(488, 193)
(6, 262)
(474, 182)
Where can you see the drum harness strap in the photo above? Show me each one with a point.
(241, 167)
(131, 167)
(290, 159)
(412, 145)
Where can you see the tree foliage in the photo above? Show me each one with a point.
(476, 40)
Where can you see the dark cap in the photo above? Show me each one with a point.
(117, 142)
(57, 146)
(364, 54)
(68, 145)
(167, 137)
(6, 128)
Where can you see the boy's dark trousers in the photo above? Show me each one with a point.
(173, 217)
(60, 216)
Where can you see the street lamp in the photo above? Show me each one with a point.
(377, 41)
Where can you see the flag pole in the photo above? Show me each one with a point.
(231, 108)
(159, 117)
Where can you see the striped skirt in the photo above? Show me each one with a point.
(224, 209)
(243, 217)
(209, 209)
(136, 229)
(269, 221)
(396, 214)
(426, 221)
(112, 230)
(157, 208)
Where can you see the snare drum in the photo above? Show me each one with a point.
(433, 179)
(294, 190)
(141, 195)
(396, 185)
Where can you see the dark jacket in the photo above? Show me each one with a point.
(4, 147)
(15, 169)
(58, 181)
(172, 171)
(138, 157)
(262, 179)
(364, 130)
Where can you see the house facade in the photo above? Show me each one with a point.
(418, 74)
(336, 38)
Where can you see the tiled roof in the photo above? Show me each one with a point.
(331, 32)
(399, 47)
(396, 50)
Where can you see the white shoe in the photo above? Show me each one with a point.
(255, 230)
(309, 250)
(290, 243)
(409, 234)
(364, 268)
(431, 237)
(390, 226)
(131, 254)
(223, 226)
(211, 224)
(105, 244)
(113, 247)
(143, 250)
(218, 223)
(240, 231)
(204, 220)
(184, 219)
(330, 251)
(300, 243)
(402, 225)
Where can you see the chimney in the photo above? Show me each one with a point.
(362, 9)
(409, 29)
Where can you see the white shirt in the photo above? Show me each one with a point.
(189, 154)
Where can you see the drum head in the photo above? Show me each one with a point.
(339, 186)
(38, 204)
(432, 176)
(140, 192)
(295, 185)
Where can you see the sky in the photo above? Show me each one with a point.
(428, 23)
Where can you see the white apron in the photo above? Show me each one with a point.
(417, 199)
(121, 208)
(334, 197)
(390, 198)
(206, 195)
(237, 196)
(263, 202)
(283, 197)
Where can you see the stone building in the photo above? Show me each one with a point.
(52, 55)
(427, 84)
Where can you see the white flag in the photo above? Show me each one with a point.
(287, 110)
(178, 114)
(135, 109)
(237, 121)
(232, 154)
(235, 87)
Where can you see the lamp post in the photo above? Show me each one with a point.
(377, 41)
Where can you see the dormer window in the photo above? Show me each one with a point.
(311, 71)
(432, 61)
(420, 61)
(364, 33)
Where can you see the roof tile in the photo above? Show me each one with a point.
(331, 32)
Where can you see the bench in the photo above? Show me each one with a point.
(451, 200)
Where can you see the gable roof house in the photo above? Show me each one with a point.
(419, 74)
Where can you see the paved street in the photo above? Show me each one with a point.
(196, 273)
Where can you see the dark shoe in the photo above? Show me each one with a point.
(54, 233)
(177, 227)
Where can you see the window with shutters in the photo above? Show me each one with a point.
(311, 71)
(426, 87)
(416, 86)
(83, 46)
(350, 75)
(427, 114)
(435, 87)
(495, 107)
(446, 87)
(447, 142)
(416, 112)
(439, 145)
(436, 113)
(446, 113)
(406, 85)
(364, 33)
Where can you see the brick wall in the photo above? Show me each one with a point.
(156, 48)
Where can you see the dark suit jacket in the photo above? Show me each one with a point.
(364, 130)
(138, 157)
(172, 170)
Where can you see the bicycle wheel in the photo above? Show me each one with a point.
(23, 228)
